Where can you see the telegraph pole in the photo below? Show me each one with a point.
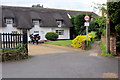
(107, 31)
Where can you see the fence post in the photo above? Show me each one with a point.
(0, 40)
(25, 41)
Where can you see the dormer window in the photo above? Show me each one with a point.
(59, 23)
(36, 22)
(9, 21)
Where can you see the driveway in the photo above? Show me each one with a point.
(49, 61)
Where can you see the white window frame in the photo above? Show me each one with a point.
(59, 23)
(9, 21)
(36, 32)
(36, 22)
(60, 32)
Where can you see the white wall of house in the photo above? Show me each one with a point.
(0, 29)
(66, 33)
(43, 30)
(8, 29)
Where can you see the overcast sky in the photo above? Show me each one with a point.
(82, 5)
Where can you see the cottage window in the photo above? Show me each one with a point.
(36, 22)
(60, 32)
(59, 23)
(14, 32)
(9, 21)
(36, 32)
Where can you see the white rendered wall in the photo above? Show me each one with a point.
(9, 28)
(66, 34)
(0, 29)
(44, 30)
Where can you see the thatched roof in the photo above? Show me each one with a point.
(23, 16)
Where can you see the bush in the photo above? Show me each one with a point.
(117, 27)
(118, 44)
(77, 42)
(51, 36)
(14, 54)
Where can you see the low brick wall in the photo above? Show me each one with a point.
(112, 43)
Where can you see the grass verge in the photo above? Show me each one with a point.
(60, 43)
(103, 48)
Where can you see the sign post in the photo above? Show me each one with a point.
(86, 18)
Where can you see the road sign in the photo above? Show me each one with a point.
(87, 18)
(86, 24)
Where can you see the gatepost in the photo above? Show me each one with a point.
(25, 41)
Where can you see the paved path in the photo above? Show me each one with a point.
(50, 61)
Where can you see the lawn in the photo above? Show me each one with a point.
(60, 42)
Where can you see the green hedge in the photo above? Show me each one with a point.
(51, 36)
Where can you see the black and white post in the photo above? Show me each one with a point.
(86, 18)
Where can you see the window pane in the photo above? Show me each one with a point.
(56, 31)
(59, 23)
(14, 32)
(36, 22)
(9, 21)
(60, 32)
(36, 31)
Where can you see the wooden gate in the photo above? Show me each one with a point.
(11, 41)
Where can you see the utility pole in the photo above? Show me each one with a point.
(107, 31)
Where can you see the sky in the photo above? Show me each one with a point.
(81, 5)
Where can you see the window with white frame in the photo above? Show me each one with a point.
(60, 32)
(14, 32)
(59, 23)
(36, 32)
(36, 22)
(9, 21)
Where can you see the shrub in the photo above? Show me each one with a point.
(14, 54)
(51, 36)
(77, 42)
(117, 27)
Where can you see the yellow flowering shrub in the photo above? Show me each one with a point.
(92, 34)
(77, 42)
